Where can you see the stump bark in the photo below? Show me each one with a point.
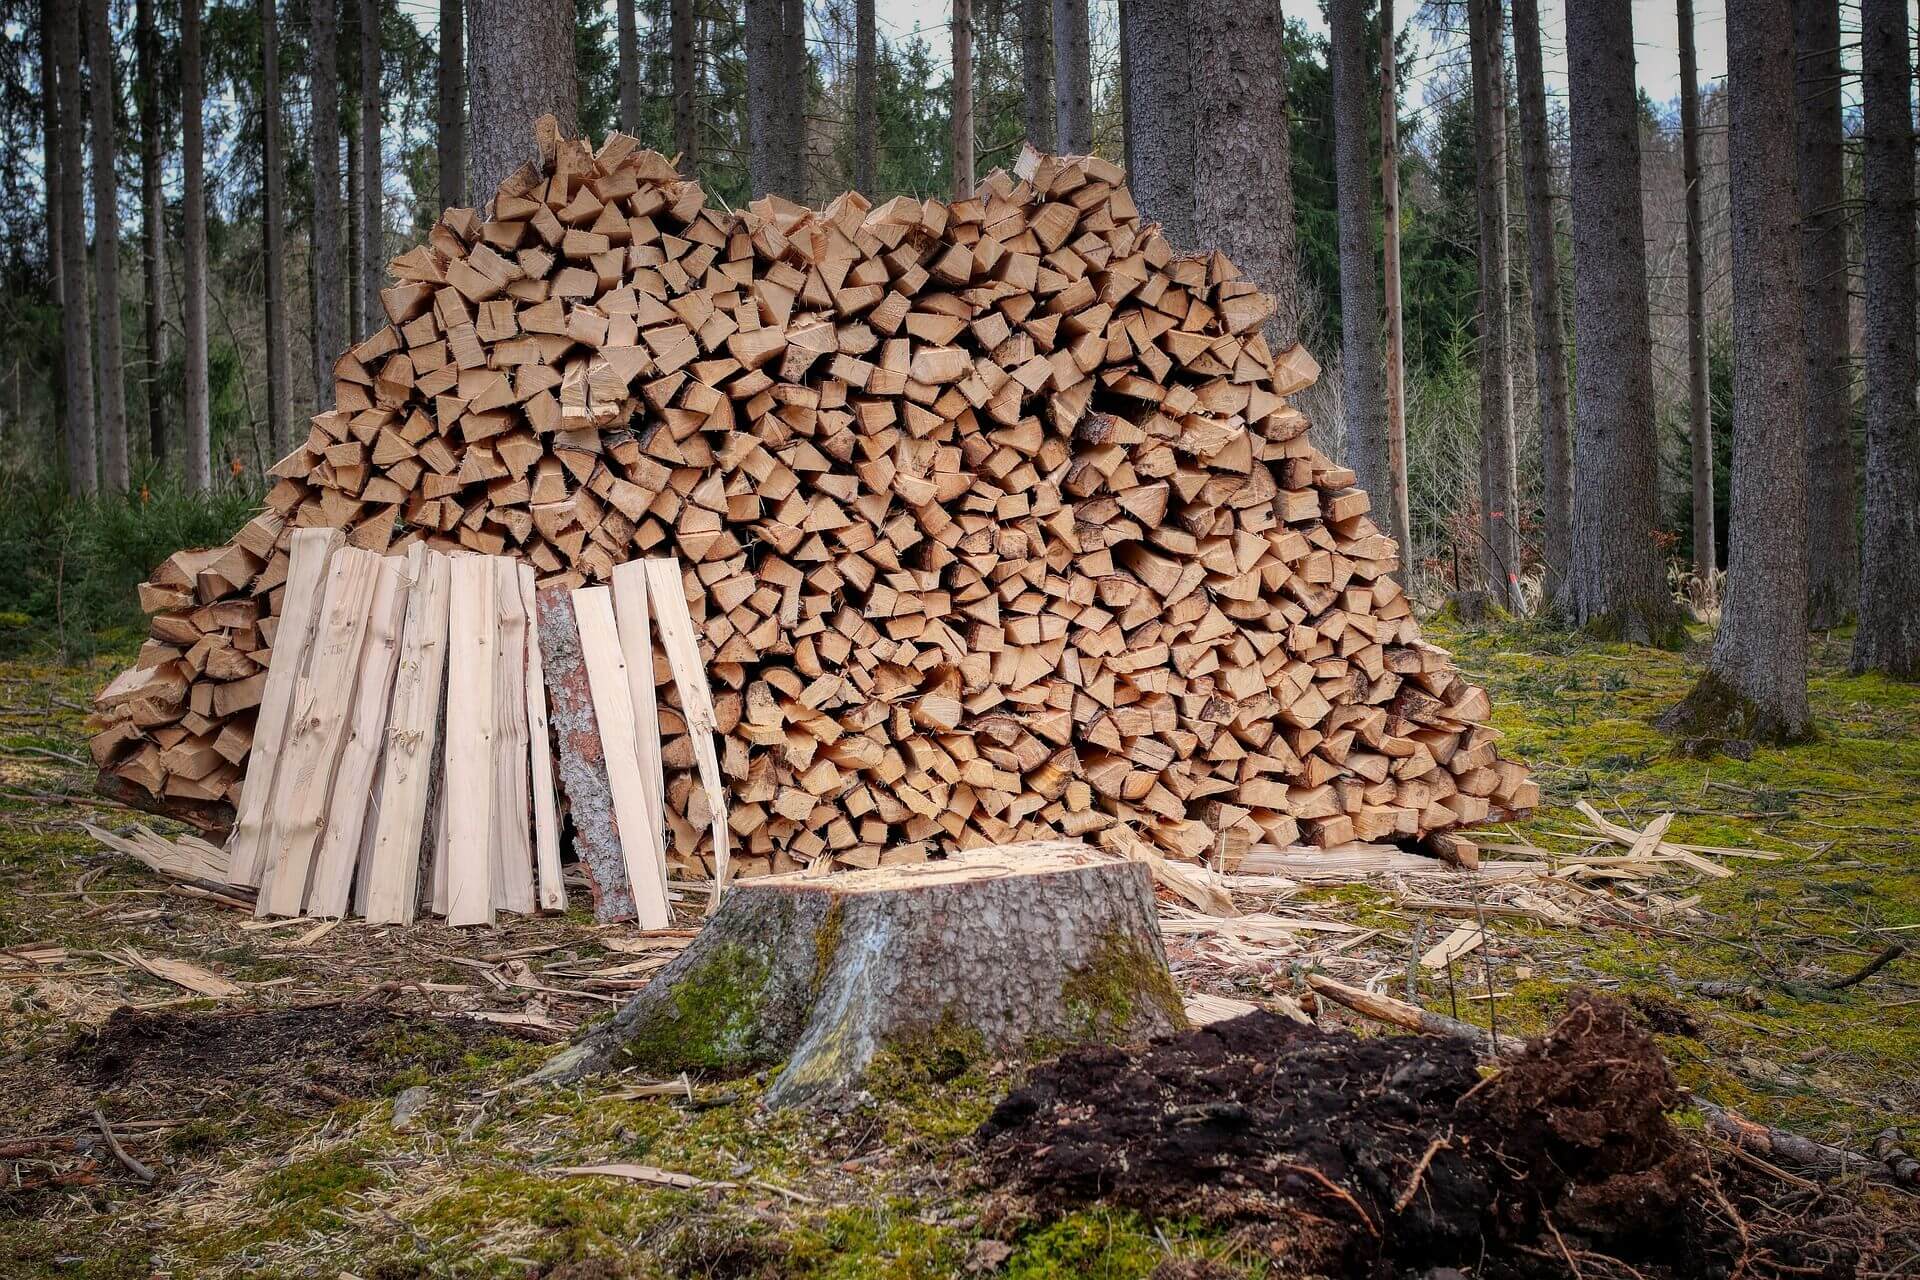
(1014, 950)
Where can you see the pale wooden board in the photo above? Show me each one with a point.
(355, 779)
(613, 708)
(471, 619)
(546, 818)
(412, 748)
(632, 614)
(303, 784)
(311, 550)
(675, 621)
(512, 847)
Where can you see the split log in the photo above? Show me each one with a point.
(1012, 950)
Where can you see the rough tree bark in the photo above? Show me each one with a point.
(1614, 585)
(1832, 560)
(195, 423)
(1160, 115)
(686, 136)
(451, 123)
(629, 49)
(1240, 154)
(1036, 72)
(962, 99)
(324, 134)
(765, 23)
(76, 330)
(50, 143)
(866, 116)
(153, 224)
(793, 96)
(1013, 950)
(1072, 78)
(373, 190)
(274, 236)
(1396, 364)
(1755, 686)
(1549, 323)
(521, 69)
(356, 300)
(103, 92)
(1888, 638)
(1366, 428)
(1699, 407)
(1499, 531)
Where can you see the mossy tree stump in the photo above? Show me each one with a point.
(1013, 950)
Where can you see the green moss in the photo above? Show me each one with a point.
(826, 943)
(308, 1194)
(710, 1019)
(1106, 997)
(888, 1241)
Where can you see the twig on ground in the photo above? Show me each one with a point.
(133, 1166)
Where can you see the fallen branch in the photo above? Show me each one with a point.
(1410, 1017)
(1892, 952)
(133, 1166)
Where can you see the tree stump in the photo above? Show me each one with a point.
(1016, 950)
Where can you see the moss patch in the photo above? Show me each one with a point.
(708, 1023)
(1109, 995)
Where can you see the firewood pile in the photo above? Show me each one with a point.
(996, 521)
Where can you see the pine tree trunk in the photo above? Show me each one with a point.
(1549, 324)
(373, 192)
(962, 99)
(793, 31)
(195, 424)
(1615, 585)
(1036, 72)
(1395, 359)
(1755, 687)
(1240, 146)
(1072, 78)
(451, 124)
(1832, 559)
(765, 23)
(274, 238)
(1888, 638)
(1499, 533)
(629, 71)
(1699, 406)
(522, 68)
(324, 134)
(153, 225)
(1366, 427)
(50, 144)
(866, 120)
(356, 312)
(76, 330)
(103, 91)
(1160, 111)
(686, 136)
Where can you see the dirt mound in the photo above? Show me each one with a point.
(1366, 1156)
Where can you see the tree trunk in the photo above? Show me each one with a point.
(1699, 406)
(1755, 687)
(274, 238)
(629, 68)
(522, 68)
(1888, 638)
(962, 99)
(193, 254)
(1036, 72)
(866, 119)
(1366, 429)
(356, 312)
(1549, 325)
(153, 225)
(1832, 572)
(103, 92)
(1239, 144)
(451, 139)
(1014, 950)
(1072, 78)
(1126, 98)
(1499, 533)
(1615, 585)
(76, 330)
(765, 23)
(793, 97)
(686, 137)
(1160, 108)
(50, 143)
(328, 340)
(373, 191)
(1395, 360)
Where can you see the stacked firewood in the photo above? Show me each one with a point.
(997, 522)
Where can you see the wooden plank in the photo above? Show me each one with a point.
(632, 615)
(317, 729)
(311, 551)
(613, 709)
(471, 618)
(354, 779)
(412, 747)
(546, 818)
(675, 621)
(512, 848)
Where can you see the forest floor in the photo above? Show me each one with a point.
(268, 1116)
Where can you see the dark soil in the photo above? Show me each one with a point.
(1351, 1156)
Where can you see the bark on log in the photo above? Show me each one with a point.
(1013, 949)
